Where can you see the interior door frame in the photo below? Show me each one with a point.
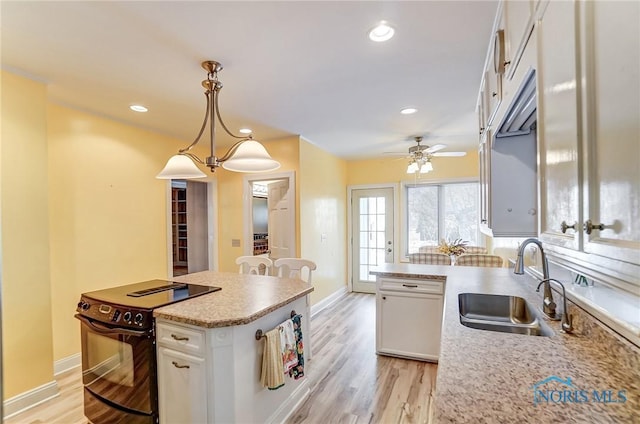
(396, 224)
(212, 220)
(247, 216)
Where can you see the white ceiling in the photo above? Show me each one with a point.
(305, 68)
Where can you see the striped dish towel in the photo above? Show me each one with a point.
(272, 376)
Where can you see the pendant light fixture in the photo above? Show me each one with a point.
(247, 155)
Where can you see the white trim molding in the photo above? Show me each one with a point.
(67, 364)
(30, 398)
(328, 301)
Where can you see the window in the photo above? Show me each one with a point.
(435, 211)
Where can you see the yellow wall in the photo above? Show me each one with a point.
(230, 203)
(391, 170)
(107, 211)
(323, 210)
(27, 333)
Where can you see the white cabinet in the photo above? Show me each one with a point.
(558, 126)
(610, 48)
(182, 387)
(182, 374)
(589, 98)
(409, 317)
(212, 375)
(518, 24)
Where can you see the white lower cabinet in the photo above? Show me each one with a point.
(409, 318)
(182, 387)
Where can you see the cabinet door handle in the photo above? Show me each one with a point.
(411, 286)
(179, 338)
(589, 226)
(177, 365)
(564, 226)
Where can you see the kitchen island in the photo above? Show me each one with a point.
(592, 375)
(209, 361)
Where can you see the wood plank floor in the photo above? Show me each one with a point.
(349, 382)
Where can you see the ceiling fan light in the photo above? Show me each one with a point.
(180, 167)
(426, 167)
(413, 167)
(251, 156)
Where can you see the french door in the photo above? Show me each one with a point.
(372, 234)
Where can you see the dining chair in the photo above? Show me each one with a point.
(429, 249)
(257, 265)
(476, 249)
(478, 259)
(295, 268)
(430, 258)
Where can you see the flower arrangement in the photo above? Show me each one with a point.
(456, 247)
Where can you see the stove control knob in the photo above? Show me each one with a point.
(127, 316)
(138, 319)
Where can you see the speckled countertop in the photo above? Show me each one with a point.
(243, 298)
(489, 377)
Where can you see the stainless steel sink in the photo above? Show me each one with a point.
(506, 314)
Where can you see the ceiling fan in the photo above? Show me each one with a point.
(420, 156)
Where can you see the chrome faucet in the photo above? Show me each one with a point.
(548, 305)
(567, 324)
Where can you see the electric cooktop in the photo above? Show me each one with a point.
(149, 294)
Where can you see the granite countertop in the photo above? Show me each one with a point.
(489, 377)
(243, 298)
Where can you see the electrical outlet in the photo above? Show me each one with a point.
(235, 242)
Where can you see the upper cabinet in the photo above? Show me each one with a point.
(586, 59)
(558, 140)
(610, 70)
(507, 150)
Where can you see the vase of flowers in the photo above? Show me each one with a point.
(452, 248)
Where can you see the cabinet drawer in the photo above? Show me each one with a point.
(183, 339)
(410, 285)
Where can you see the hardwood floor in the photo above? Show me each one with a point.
(349, 382)
(64, 409)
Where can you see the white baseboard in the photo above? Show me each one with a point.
(328, 301)
(29, 399)
(288, 407)
(66, 364)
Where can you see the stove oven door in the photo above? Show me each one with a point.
(118, 372)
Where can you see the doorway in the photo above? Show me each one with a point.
(269, 215)
(372, 235)
(190, 231)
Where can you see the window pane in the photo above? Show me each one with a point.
(364, 239)
(460, 212)
(422, 217)
(371, 225)
(457, 216)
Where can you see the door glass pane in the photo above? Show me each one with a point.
(372, 235)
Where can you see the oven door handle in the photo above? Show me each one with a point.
(109, 330)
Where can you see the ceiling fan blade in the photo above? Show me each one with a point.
(449, 154)
(435, 148)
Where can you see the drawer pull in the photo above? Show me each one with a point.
(411, 286)
(175, 364)
(179, 338)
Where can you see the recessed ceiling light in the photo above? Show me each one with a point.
(381, 32)
(138, 108)
(408, 110)
(245, 130)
